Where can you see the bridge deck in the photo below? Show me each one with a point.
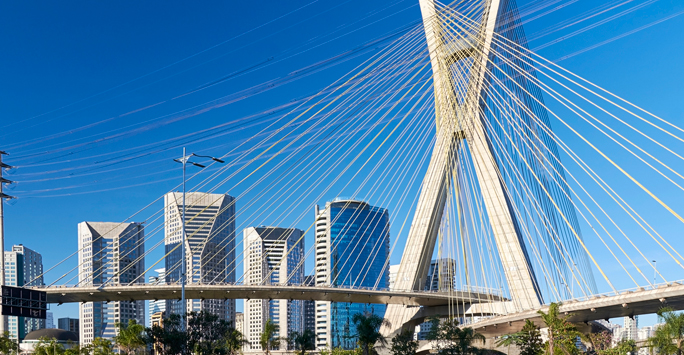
(630, 303)
(194, 291)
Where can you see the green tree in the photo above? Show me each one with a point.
(73, 348)
(403, 343)
(169, 339)
(453, 340)
(207, 333)
(130, 338)
(562, 335)
(101, 346)
(7, 345)
(303, 341)
(623, 347)
(368, 331)
(668, 339)
(268, 339)
(528, 340)
(47, 346)
(600, 342)
(234, 341)
(340, 351)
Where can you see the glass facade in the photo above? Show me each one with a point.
(359, 249)
(23, 267)
(210, 233)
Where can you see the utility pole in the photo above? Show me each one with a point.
(3, 197)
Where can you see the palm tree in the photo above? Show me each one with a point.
(303, 341)
(368, 330)
(101, 346)
(130, 338)
(268, 338)
(669, 338)
(48, 346)
(562, 335)
(234, 341)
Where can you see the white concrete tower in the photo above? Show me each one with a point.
(458, 119)
(273, 256)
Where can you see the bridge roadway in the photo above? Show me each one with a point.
(627, 303)
(65, 294)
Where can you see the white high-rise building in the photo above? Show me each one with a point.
(158, 305)
(109, 254)
(273, 256)
(631, 328)
(210, 247)
(23, 267)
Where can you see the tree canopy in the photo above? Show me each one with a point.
(453, 340)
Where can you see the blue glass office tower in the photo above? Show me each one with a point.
(352, 247)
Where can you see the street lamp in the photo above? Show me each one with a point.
(184, 160)
(655, 272)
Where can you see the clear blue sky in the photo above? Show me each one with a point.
(70, 64)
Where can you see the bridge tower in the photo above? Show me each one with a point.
(459, 120)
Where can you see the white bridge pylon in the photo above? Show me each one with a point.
(458, 119)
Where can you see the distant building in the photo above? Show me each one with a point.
(240, 322)
(631, 328)
(618, 334)
(352, 248)
(49, 321)
(70, 324)
(645, 333)
(111, 254)
(393, 271)
(158, 305)
(210, 233)
(157, 319)
(23, 267)
(273, 256)
(310, 306)
(441, 275)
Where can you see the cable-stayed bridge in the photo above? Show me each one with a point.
(448, 127)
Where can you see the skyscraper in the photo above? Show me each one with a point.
(23, 267)
(49, 320)
(273, 256)
(441, 275)
(109, 254)
(157, 306)
(70, 324)
(210, 246)
(310, 306)
(352, 248)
